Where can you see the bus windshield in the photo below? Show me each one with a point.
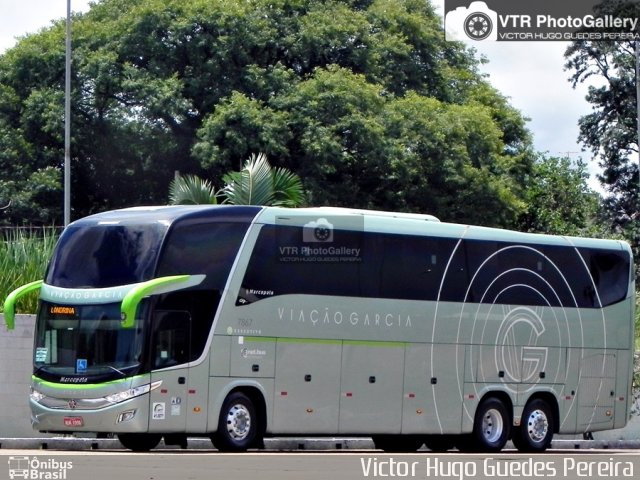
(101, 256)
(86, 341)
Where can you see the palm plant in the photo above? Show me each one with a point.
(192, 190)
(258, 183)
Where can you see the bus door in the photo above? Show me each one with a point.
(170, 343)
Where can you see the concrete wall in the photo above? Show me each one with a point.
(16, 365)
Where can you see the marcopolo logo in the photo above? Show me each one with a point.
(38, 469)
(511, 20)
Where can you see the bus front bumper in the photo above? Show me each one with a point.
(124, 417)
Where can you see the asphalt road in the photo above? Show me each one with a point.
(347, 465)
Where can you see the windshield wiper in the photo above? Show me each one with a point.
(128, 367)
(116, 370)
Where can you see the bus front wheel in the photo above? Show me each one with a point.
(536, 430)
(139, 442)
(238, 424)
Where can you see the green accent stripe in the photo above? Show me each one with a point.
(80, 386)
(320, 341)
(375, 344)
(154, 286)
(259, 339)
(12, 298)
(327, 341)
(135, 295)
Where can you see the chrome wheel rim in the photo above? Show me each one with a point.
(238, 422)
(492, 425)
(537, 426)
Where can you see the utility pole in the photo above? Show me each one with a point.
(67, 121)
(638, 116)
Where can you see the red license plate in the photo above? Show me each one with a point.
(73, 421)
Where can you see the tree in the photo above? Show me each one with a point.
(559, 200)
(166, 85)
(610, 131)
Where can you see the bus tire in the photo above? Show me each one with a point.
(238, 424)
(439, 443)
(397, 443)
(535, 432)
(492, 426)
(139, 442)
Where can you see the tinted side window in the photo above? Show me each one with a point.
(209, 248)
(446, 269)
(522, 281)
(390, 266)
(610, 273)
(412, 266)
(171, 339)
(470, 273)
(483, 269)
(272, 271)
(571, 282)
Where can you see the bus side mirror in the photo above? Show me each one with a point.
(155, 286)
(12, 298)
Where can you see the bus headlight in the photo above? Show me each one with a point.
(132, 392)
(35, 395)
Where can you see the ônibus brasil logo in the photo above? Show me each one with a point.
(33, 468)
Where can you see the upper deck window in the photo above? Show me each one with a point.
(100, 256)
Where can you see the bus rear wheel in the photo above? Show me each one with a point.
(139, 442)
(491, 427)
(535, 433)
(238, 424)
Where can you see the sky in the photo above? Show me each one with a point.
(530, 74)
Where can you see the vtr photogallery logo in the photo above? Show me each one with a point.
(477, 22)
(542, 20)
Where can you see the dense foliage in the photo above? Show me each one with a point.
(363, 99)
(610, 130)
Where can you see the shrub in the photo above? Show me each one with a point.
(24, 255)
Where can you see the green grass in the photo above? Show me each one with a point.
(23, 258)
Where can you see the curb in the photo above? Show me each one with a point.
(273, 444)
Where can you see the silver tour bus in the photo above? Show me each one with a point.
(240, 322)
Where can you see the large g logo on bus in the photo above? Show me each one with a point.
(516, 352)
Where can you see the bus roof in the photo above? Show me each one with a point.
(418, 224)
(340, 218)
(167, 214)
